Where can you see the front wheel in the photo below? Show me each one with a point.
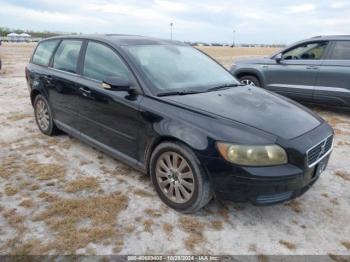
(178, 178)
(250, 80)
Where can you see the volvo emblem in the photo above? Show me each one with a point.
(323, 149)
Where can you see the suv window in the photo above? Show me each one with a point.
(341, 51)
(101, 62)
(67, 55)
(44, 52)
(310, 51)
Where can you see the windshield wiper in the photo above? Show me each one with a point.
(179, 93)
(222, 87)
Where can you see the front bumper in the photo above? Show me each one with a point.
(272, 184)
(283, 183)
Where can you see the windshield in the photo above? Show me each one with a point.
(174, 68)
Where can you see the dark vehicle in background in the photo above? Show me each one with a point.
(174, 113)
(316, 70)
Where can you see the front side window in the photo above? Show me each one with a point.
(67, 55)
(341, 51)
(101, 62)
(44, 52)
(172, 67)
(310, 51)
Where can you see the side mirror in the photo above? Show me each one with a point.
(278, 58)
(117, 83)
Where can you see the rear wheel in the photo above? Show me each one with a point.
(178, 178)
(43, 116)
(249, 80)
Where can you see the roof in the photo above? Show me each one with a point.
(331, 37)
(123, 40)
(24, 35)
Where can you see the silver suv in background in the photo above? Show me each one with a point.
(316, 70)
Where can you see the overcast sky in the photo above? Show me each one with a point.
(255, 21)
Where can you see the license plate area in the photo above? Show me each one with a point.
(320, 167)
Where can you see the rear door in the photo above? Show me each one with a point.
(295, 75)
(333, 81)
(108, 117)
(61, 83)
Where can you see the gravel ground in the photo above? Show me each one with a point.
(60, 196)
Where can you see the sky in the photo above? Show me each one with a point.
(254, 21)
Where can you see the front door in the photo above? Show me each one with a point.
(110, 118)
(295, 75)
(333, 80)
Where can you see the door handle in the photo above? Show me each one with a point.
(312, 67)
(84, 91)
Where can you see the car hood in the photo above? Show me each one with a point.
(254, 107)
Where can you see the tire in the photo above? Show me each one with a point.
(187, 165)
(250, 80)
(41, 108)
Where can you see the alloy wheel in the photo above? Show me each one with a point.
(175, 177)
(247, 82)
(42, 115)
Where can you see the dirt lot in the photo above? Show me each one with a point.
(58, 195)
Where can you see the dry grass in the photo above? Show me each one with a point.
(18, 116)
(343, 174)
(122, 170)
(226, 55)
(48, 197)
(153, 212)
(147, 225)
(343, 143)
(295, 205)
(194, 228)
(15, 220)
(45, 171)
(11, 191)
(143, 193)
(64, 215)
(346, 244)
(9, 166)
(129, 228)
(27, 203)
(287, 244)
(82, 183)
(253, 248)
(216, 224)
(224, 212)
(168, 228)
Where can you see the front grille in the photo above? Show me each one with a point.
(317, 152)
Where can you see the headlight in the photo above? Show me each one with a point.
(250, 155)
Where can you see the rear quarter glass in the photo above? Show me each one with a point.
(44, 52)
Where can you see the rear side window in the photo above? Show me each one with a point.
(101, 62)
(341, 51)
(67, 55)
(44, 52)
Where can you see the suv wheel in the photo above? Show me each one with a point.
(249, 80)
(178, 178)
(43, 116)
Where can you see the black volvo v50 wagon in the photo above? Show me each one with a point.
(171, 111)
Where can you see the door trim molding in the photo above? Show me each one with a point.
(102, 147)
